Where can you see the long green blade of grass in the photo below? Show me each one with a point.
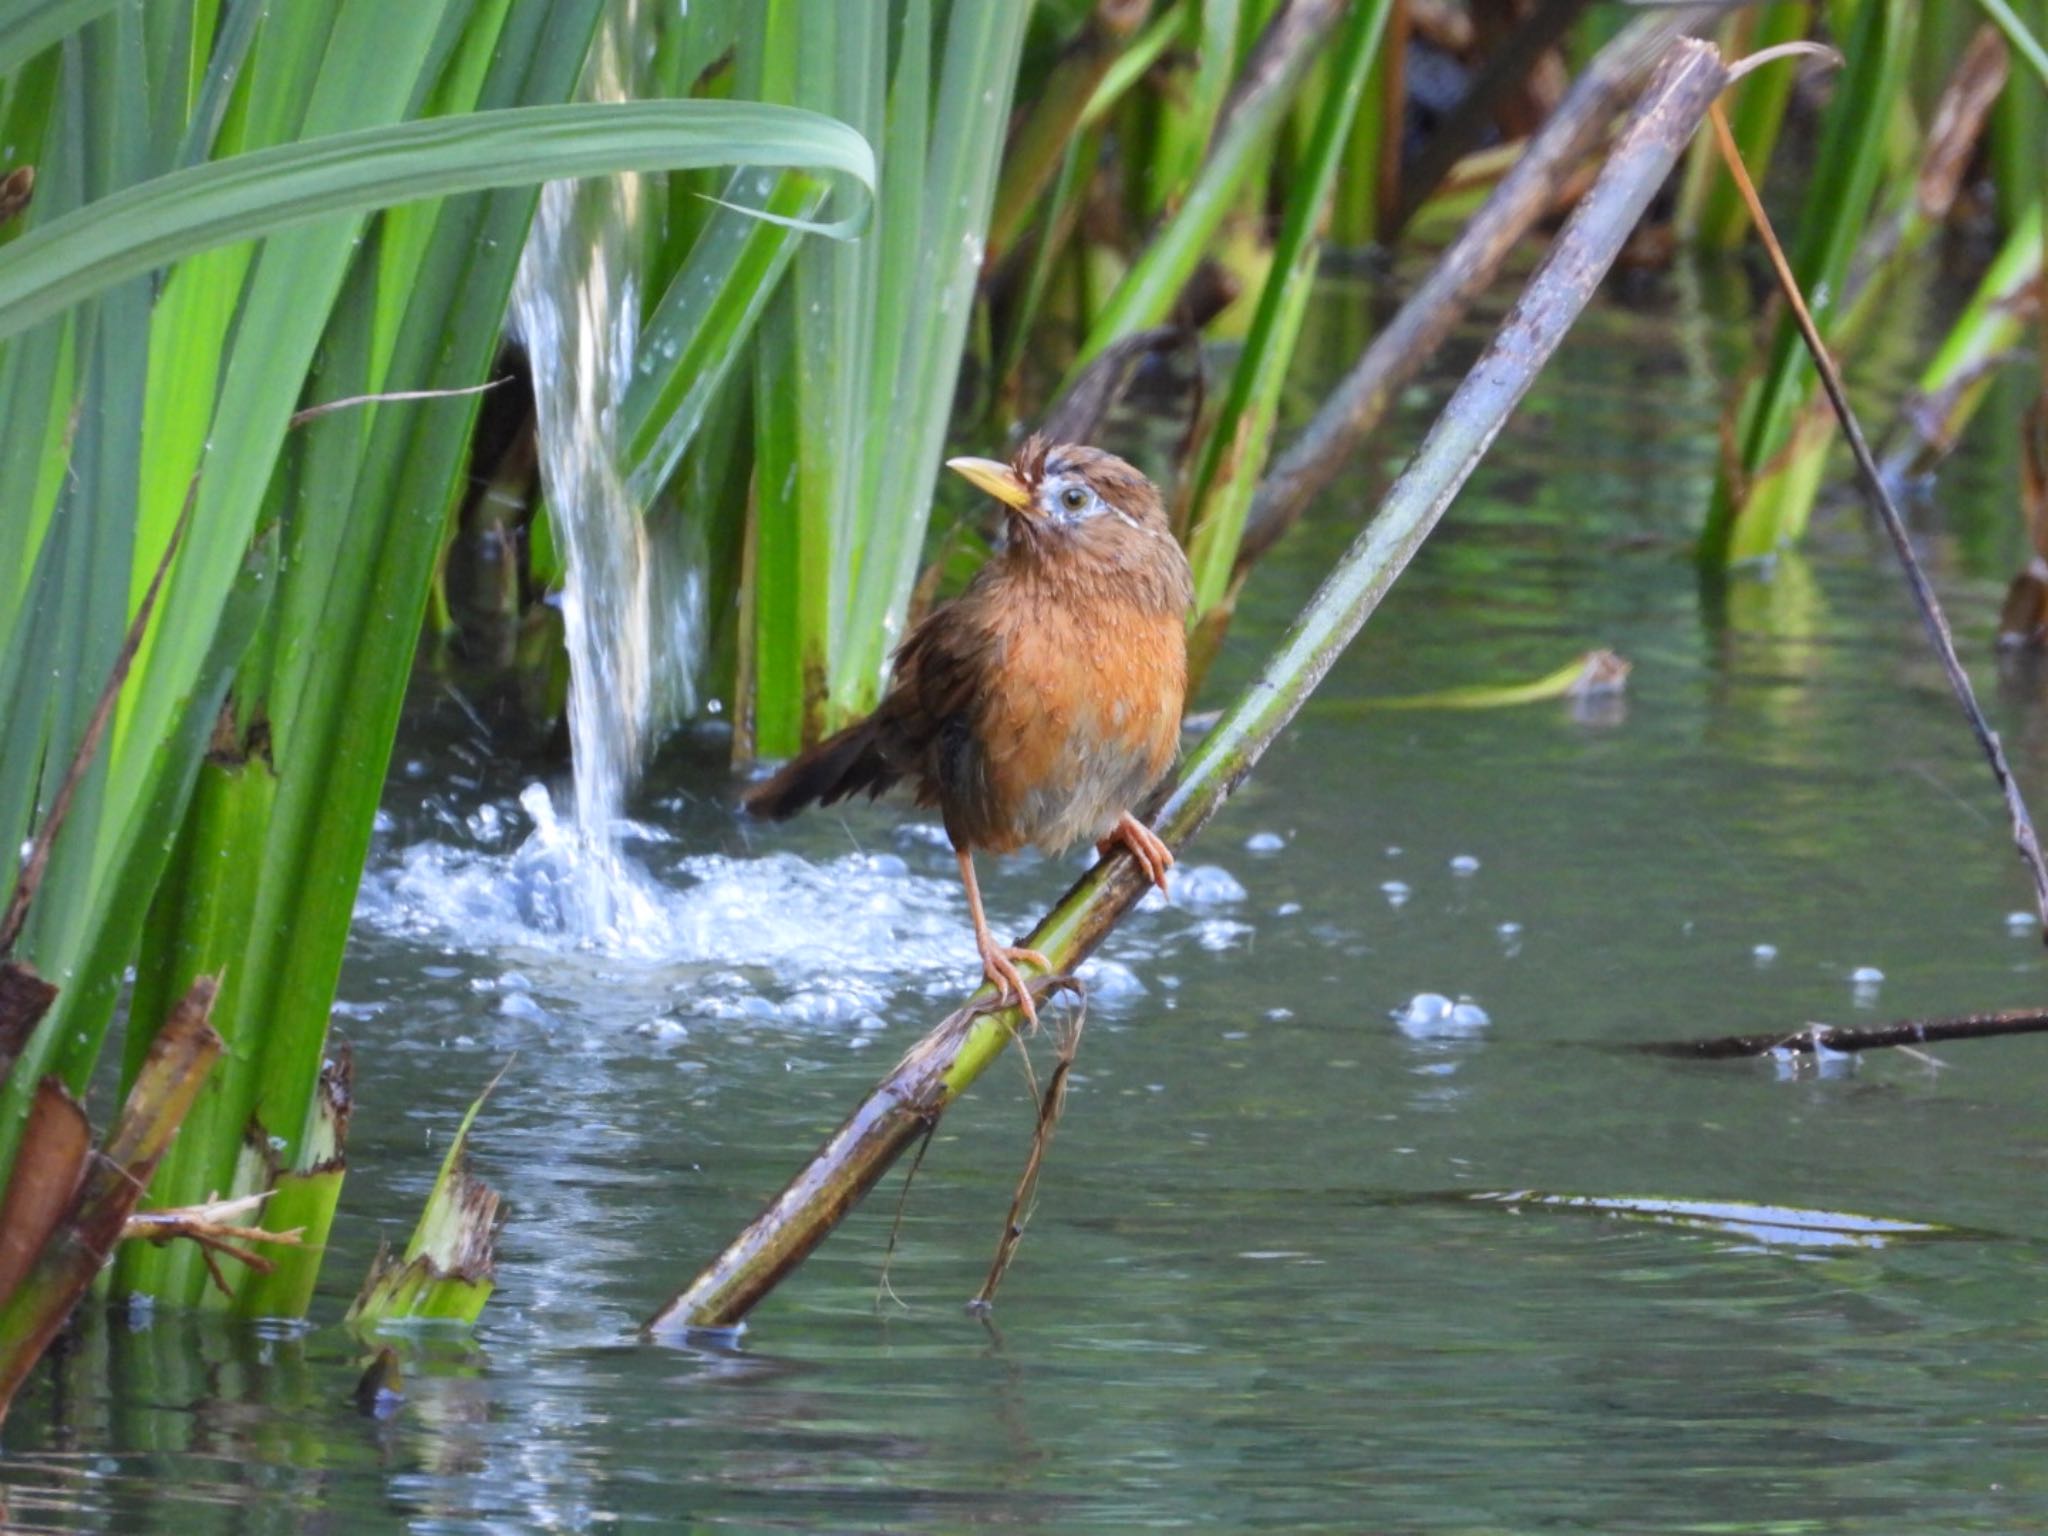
(147, 226)
(698, 330)
(1957, 376)
(920, 325)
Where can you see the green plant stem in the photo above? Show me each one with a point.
(940, 1067)
(1062, 100)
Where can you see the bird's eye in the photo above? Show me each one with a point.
(1073, 498)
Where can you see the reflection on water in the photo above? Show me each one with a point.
(1244, 1302)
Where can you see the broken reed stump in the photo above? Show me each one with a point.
(906, 1103)
(49, 1282)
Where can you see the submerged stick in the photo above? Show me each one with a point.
(1360, 402)
(942, 1065)
(1827, 1037)
(2024, 840)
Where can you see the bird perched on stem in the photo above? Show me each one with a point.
(1042, 704)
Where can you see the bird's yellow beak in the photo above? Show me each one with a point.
(998, 479)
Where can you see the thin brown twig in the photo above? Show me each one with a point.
(1917, 584)
(1049, 1107)
(883, 1289)
(210, 1225)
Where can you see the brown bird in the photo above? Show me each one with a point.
(1042, 704)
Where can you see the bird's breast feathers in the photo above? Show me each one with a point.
(1081, 715)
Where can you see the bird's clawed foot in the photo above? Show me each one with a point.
(999, 964)
(1153, 856)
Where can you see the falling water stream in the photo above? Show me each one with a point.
(632, 603)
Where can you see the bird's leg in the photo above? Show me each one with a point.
(1153, 856)
(999, 961)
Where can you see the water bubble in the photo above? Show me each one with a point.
(1867, 976)
(1425, 1008)
(1764, 954)
(1264, 842)
(520, 1005)
(1433, 1016)
(1393, 852)
(1396, 892)
(1110, 981)
(1464, 864)
(1221, 933)
(1203, 885)
(1287, 909)
(2021, 924)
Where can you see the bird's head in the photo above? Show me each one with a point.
(1067, 494)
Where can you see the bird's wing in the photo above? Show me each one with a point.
(934, 707)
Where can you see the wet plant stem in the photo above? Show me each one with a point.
(1917, 584)
(942, 1065)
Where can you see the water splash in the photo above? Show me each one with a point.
(632, 604)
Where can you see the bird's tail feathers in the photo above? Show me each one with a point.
(841, 765)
